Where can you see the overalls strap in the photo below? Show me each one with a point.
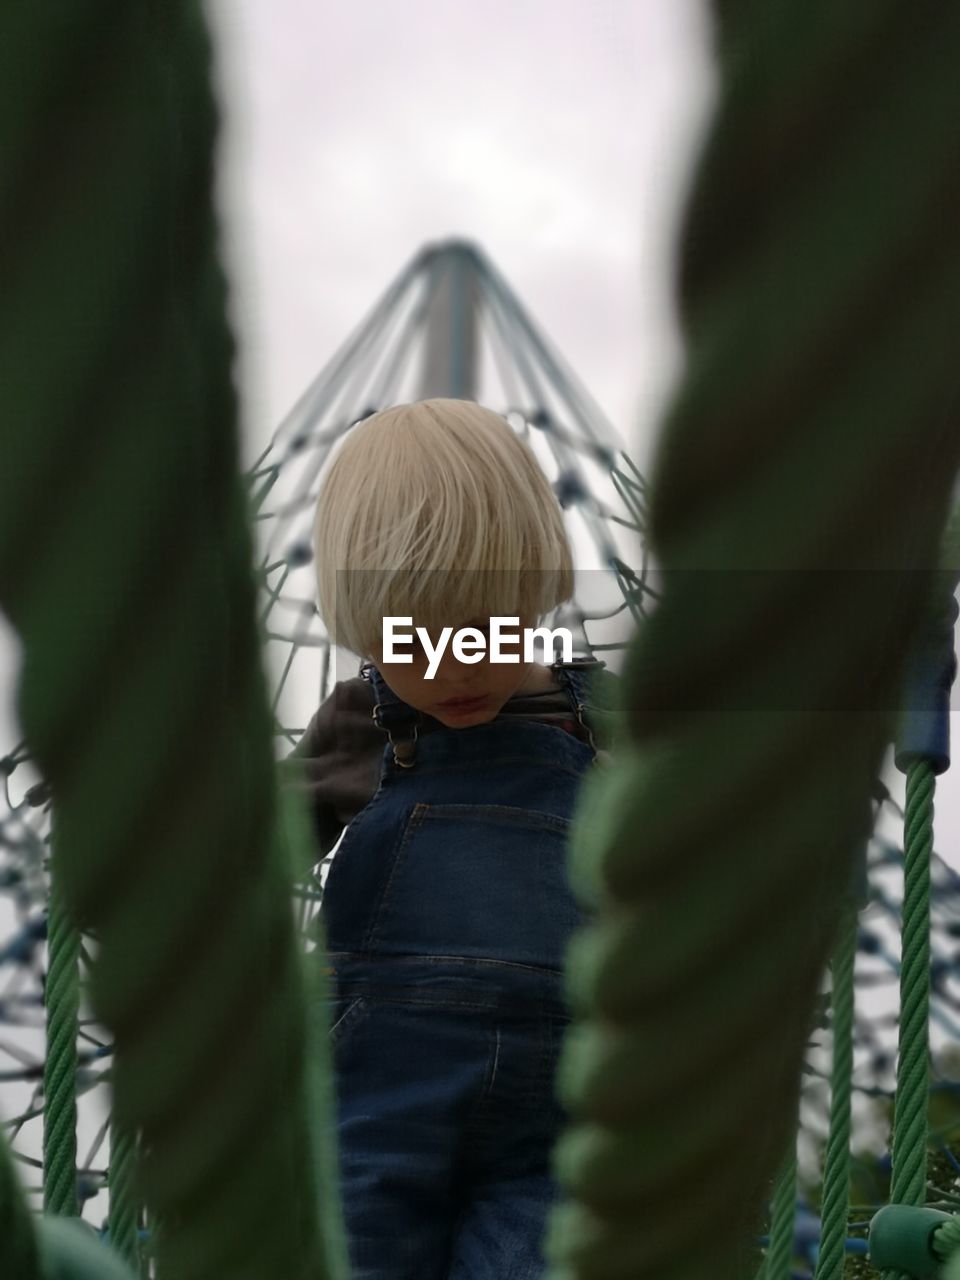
(399, 719)
(575, 676)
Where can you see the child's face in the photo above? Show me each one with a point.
(491, 683)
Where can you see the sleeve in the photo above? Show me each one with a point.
(336, 764)
(308, 768)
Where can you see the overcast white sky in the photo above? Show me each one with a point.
(557, 135)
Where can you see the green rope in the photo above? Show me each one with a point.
(123, 521)
(19, 1257)
(124, 1207)
(777, 1264)
(62, 1000)
(803, 479)
(908, 1181)
(836, 1174)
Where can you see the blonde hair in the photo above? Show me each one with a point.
(439, 511)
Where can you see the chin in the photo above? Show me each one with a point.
(464, 720)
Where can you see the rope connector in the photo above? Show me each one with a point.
(901, 1239)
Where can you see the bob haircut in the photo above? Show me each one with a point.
(437, 511)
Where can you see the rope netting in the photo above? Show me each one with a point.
(718, 848)
(602, 493)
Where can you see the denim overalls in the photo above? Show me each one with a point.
(447, 914)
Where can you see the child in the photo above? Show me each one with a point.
(446, 910)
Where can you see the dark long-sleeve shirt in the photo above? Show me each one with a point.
(337, 761)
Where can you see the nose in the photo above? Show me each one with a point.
(461, 679)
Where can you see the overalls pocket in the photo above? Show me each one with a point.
(480, 881)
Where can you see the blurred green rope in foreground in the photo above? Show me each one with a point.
(125, 566)
(799, 494)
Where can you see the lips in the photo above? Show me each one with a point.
(457, 704)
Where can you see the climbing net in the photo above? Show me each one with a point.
(599, 488)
